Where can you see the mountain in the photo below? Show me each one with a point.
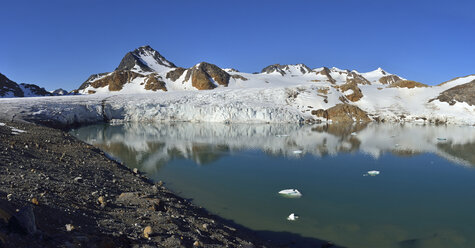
(145, 69)
(9, 88)
(320, 94)
(59, 92)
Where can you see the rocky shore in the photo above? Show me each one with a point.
(57, 191)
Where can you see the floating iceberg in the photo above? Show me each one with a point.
(292, 217)
(290, 193)
(373, 173)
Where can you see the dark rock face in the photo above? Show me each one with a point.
(460, 93)
(389, 79)
(134, 58)
(203, 75)
(407, 84)
(175, 74)
(274, 68)
(7, 85)
(343, 113)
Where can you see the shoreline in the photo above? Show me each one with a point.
(61, 183)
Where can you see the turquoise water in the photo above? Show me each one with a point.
(424, 195)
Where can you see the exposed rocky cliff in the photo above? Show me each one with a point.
(343, 113)
(205, 76)
(461, 93)
(407, 84)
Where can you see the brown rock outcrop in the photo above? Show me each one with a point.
(154, 83)
(235, 76)
(355, 78)
(326, 72)
(343, 113)
(204, 75)
(407, 84)
(356, 95)
(461, 93)
(390, 79)
(115, 80)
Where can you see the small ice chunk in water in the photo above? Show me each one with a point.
(292, 217)
(290, 192)
(373, 173)
(297, 151)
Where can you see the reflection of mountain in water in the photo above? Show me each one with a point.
(151, 145)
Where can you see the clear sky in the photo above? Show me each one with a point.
(60, 43)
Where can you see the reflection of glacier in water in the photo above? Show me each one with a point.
(422, 198)
(150, 144)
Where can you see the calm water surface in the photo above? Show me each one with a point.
(423, 197)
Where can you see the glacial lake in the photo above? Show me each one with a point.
(423, 197)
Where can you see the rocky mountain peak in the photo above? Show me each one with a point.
(145, 59)
(381, 71)
(286, 69)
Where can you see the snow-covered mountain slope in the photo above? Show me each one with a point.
(9, 88)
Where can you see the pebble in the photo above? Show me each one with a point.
(197, 243)
(69, 227)
(35, 201)
(9, 197)
(102, 201)
(136, 171)
(147, 232)
(78, 179)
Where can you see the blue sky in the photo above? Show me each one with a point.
(60, 43)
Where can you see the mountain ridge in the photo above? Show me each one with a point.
(145, 63)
